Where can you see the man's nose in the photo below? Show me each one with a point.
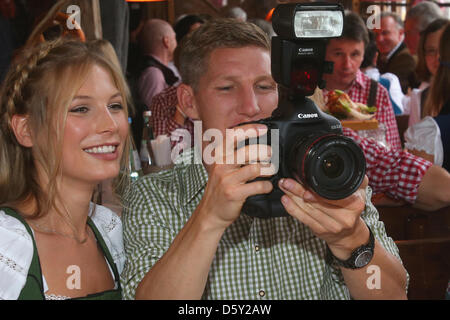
(378, 38)
(348, 61)
(249, 103)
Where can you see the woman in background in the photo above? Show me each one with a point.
(430, 138)
(63, 130)
(427, 65)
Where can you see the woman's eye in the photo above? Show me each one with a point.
(116, 106)
(79, 109)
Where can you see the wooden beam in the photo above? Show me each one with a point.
(171, 11)
(91, 22)
(356, 6)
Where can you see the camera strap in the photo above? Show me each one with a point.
(372, 99)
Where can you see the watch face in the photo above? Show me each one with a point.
(363, 258)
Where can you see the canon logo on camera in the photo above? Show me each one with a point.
(307, 115)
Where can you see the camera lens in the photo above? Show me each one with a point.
(331, 165)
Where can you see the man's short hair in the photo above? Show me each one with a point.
(394, 16)
(152, 33)
(355, 28)
(424, 13)
(218, 33)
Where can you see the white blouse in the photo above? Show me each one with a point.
(16, 248)
(425, 135)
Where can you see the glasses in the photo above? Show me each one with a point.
(431, 52)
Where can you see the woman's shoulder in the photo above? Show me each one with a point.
(16, 253)
(109, 225)
(13, 233)
(106, 219)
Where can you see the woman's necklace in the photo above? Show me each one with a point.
(70, 236)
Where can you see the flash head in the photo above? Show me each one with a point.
(308, 20)
(298, 50)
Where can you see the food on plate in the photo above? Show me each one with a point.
(342, 107)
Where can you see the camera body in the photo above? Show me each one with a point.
(310, 148)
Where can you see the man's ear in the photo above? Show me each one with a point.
(186, 101)
(19, 125)
(166, 41)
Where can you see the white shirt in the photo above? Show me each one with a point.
(426, 136)
(395, 89)
(16, 249)
(391, 53)
(412, 104)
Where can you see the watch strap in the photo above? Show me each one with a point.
(360, 257)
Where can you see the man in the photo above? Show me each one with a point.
(158, 43)
(168, 119)
(388, 80)
(347, 54)
(417, 19)
(394, 55)
(185, 235)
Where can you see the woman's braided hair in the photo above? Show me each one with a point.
(17, 165)
(40, 87)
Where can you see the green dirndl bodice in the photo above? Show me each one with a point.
(34, 286)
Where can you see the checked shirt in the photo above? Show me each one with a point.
(392, 171)
(262, 259)
(163, 107)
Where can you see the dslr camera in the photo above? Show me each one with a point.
(311, 147)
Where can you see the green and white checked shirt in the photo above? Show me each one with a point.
(275, 258)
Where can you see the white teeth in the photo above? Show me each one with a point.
(102, 149)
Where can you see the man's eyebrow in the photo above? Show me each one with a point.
(258, 78)
(267, 77)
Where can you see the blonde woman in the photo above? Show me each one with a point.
(63, 130)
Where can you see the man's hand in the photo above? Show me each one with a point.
(337, 222)
(228, 183)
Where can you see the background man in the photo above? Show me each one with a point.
(158, 43)
(417, 19)
(394, 55)
(347, 54)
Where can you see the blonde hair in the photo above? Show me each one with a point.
(41, 87)
(439, 89)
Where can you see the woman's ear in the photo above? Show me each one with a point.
(186, 101)
(19, 124)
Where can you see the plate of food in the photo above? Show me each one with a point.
(354, 115)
